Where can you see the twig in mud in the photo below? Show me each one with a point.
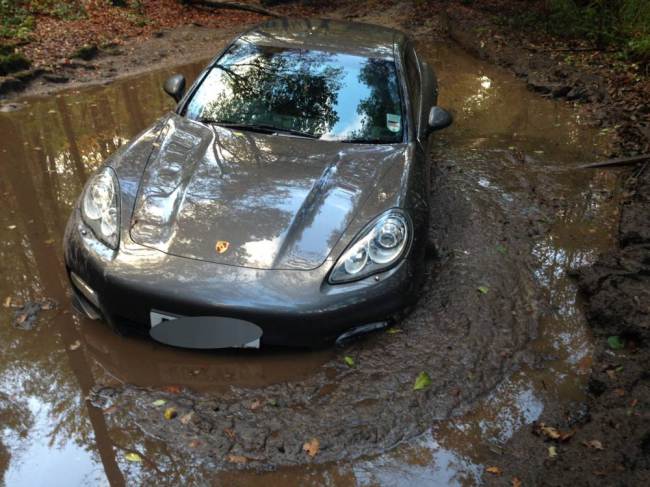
(621, 161)
(233, 5)
(577, 49)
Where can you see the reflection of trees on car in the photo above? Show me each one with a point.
(304, 100)
(381, 79)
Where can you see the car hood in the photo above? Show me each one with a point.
(253, 200)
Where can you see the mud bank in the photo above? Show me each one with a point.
(608, 100)
(616, 288)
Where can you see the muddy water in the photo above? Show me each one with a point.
(508, 215)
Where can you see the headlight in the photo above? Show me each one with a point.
(100, 207)
(375, 249)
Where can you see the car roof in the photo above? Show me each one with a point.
(328, 35)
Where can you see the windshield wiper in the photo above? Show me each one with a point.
(367, 141)
(258, 127)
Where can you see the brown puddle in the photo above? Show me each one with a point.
(506, 141)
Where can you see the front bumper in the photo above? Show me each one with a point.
(293, 307)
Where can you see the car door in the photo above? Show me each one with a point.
(413, 81)
(423, 89)
(421, 168)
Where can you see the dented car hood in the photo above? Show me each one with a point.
(254, 200)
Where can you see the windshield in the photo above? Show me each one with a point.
(331, 96)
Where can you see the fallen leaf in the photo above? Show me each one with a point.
(186, 418)
(7, 302)
(593, 444)
(48, 304)
(493, 470)
(109, 410)
(257, 403)
(311, 447)
(11, 227)
(516, 482)
(585, 363)
(634, 402)
(274, 403)
(567, 435)
(75, 345)
(159, 402)
(422, 381)
(173, 389)
(49, 241)
(549, 432)
(21, 318)
(229, 433)
(170, 413)
(483, 289)
(194, 443)
(501, 249)
(132, 457)
(393, 330)
(552, 452)
(349, 361)
(236, 459)
(615, 342)
(619, 392)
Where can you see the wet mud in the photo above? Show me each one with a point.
(497, 326)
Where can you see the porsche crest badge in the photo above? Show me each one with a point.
(222, 246)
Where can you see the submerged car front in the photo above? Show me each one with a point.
(283, 191)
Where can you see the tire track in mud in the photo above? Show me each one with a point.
(466, 340)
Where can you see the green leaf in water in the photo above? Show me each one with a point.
(132, 457)
(349, 361)
(483, 289)
(615, 342)
(393, 330)
(159, 402)
(501, 249)
(422, 381)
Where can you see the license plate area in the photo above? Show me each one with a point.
(203, 332)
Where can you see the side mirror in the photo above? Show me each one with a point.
(439, 118)
(175, 86)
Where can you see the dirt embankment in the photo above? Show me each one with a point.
(612, 97)
(613, 444)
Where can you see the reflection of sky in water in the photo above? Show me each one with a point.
(483, 92)
(39, 463)
(517, 406)
(423, 463)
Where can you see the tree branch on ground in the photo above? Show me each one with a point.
(232, 5)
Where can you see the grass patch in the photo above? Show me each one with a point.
(12, 62)
(17, 17)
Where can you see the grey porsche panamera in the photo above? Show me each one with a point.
(283, 202)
